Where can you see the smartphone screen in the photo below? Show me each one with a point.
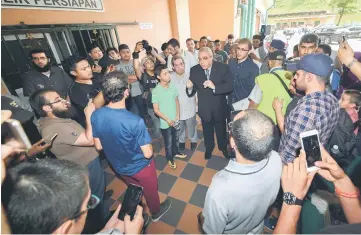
(132, 198)
(311, 146)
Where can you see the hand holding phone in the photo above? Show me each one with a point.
(132, 198)
(41, 146)
(311, 145)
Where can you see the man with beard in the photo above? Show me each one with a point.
(45, 76)
(84, 87)
(73, 142)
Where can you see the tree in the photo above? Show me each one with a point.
(344, 6)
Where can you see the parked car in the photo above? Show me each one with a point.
(349, 32)
(324, 26)
(327, 35)
(289, 32)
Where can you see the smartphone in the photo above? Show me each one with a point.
(48, 139)
(12, 129)
(311, 145)
(132, 198)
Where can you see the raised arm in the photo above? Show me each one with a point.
(346, 56)
(159, 57)
(136, 64)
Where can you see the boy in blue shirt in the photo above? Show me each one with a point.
(166, 107)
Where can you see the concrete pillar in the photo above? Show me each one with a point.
(252, 18)
(244, 21)
(180, 23)
(249, 17)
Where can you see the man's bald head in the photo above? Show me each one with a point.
(253, 134)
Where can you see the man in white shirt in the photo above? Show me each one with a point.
(179, 79)
(192, 53)
(174, 49)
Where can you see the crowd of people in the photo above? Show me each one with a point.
(248, 93)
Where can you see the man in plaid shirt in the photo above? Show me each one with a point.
(318, 109)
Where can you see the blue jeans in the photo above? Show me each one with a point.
(170, 136)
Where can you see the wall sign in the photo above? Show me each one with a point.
(72, 5)
(146, 25)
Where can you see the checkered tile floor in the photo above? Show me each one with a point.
(186, 186)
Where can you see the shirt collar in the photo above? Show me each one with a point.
(313, 95)
(244, 169)
(275, 69)
(245, 61)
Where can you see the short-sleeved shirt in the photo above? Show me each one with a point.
(187, 104)
(80, 93)
(128, 69)
(148, 82)
(244, 75)
(58, 80)
(165, 98)
(121, 134)
(63, 146)
(271, 88)
(217, 57)
(318, 110)
(239, 196)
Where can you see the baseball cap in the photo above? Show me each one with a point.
(278, 44)
(318, 64)
(277, 55)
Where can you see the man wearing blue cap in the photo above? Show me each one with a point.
(276, 45)
(318, 109)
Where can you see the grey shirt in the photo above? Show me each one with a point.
(240, 195)
(57, 79)
(128, 69)
(187, 104)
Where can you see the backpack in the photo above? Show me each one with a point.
(344, 137)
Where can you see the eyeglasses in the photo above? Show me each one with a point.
(92, 203)
(241, 49)
(56, 101)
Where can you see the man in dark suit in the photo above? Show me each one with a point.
(212, 81)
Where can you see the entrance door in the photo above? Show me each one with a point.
(15, 56)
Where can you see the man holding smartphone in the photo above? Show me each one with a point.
(126, 142)
(318, 109)
(73, 143)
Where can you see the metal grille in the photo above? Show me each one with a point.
(64, 43)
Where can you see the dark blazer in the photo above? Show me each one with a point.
(212, 104)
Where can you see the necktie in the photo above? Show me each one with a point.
(207, 73)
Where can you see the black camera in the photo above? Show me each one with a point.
(147, 47)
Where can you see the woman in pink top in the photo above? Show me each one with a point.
(351, 102)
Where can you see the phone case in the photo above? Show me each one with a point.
(132, 197)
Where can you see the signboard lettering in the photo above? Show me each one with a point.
(85, 5)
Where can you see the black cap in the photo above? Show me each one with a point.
(277, 55)
(123, 46)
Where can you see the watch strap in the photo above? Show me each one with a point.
(298, 202)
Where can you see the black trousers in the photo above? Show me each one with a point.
(221, 133)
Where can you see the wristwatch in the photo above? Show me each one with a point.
(290, 199)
